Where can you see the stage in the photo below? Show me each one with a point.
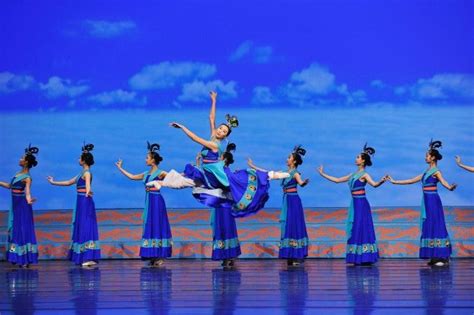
(266, 286)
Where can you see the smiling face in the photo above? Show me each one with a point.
(222, 131)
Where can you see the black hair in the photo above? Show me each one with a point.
(86, 155)
(153, 151)
(232, 122)
(227, 156)
(433, 151)
(298, 153)
(366, 154)
(29, 156)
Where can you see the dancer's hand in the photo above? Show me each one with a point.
(453, 187)
(249, 162)
(388, 178)
(30, 200)
(50, 179)
(320, 169)
(305, 182)
(213, 95)
(89, 194)
(458, 159)
(176, 125)
(119, 163)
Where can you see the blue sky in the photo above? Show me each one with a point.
(156, 55)
(329, 75)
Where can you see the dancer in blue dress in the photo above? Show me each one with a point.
(22, 248)
(211, 174)
(156, 243)
(434, 243)
(85, 247)
(225, 240)
(361, 244)
(464, 166)
(294, 237)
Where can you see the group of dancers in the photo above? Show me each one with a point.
(230, 195)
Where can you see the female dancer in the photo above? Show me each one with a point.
(22, 248)
(212, 174)
(294, 237)
(467, 168)
(226, 246)
(156, 244)
(85, 247)
(361, 243)
(435, 243)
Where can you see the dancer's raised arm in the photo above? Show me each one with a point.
(61, 183)
(128, 174)
(208, 144)
(212, 113)
(467, 168)
(338, 180)
(413, 180)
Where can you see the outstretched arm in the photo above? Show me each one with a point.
(124, 172)
(5, 185)
(332, 178)
(405, 181)
(212, 113)
(467, 168)
(251, 165)
(444, 182)
(61, 183)
(208, 144)
(371, 182)
(300, 181)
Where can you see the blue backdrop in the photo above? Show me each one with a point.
(327, 75)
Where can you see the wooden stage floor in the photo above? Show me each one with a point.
(320, 286)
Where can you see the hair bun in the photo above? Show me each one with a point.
(87, 147)
(153, 147)
(299, 150)
(368, 150)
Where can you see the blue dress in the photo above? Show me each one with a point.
(211, 174)
(361, 243)
(435, 242)
(156, 240)
(294, 237)
(22, 248)
(85, 235)
(225, 240)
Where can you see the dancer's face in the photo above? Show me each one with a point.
(81, 162)
(22, 162)
(290, 161)
(222, 132)
(359, 160)
(149, 160)
(429, 158)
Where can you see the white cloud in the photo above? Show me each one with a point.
(117, 97)
(241, 51)
(313, 80)
(257, 54)
(107, 29)
(263, 95)
(10, 82)
(198, 91)
(442, 86)
(377, 84)
(168, 74)
(57, 87)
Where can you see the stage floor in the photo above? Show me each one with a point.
(320, 286)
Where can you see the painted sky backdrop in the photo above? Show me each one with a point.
(392, 73)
